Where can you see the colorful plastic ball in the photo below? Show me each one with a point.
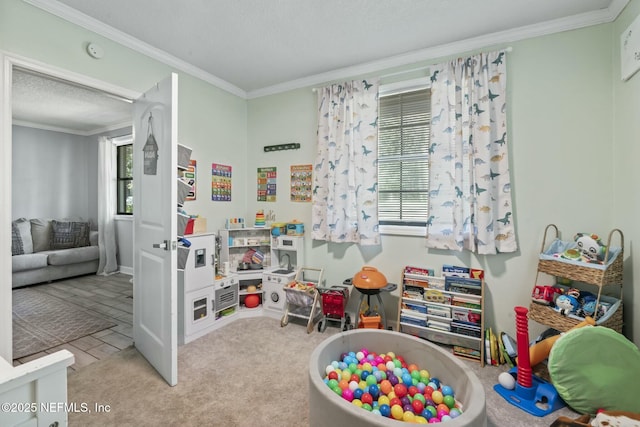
(418, 406)
(357, 393)
(445, 418)
(393, 379)
(413, 390)
(333, 375)
(376, 411)
(421, 398)
(437, 382)
(442, 408)
(447, 390)
(332, 383)
(385, 410)
(390, 365)
(367, 367)
(431, 409)
(329, 369)
(405, 400)
(367, 398)
(386, 386)
(347, 394)
(407, 379)
(378, 375)
(400, 389)
(359, 355)
(420, 420)
(437, 396)
(424, 374)
(441, 414)
(408, 417)
(383, 400)
(397, 412)
(421, 386)
(343, 384)
(407, 408)
(395, 401)
(337, 390)
(450, 401)
(454, 412)
(434, 420)
(357, 402)
(364, 374)
(427, 414)
(374, 390)
(366, 407)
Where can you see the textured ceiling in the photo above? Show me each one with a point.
(253, 47)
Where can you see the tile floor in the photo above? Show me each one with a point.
(110, 296)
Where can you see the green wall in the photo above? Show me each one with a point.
(626, 174)
(564, 164)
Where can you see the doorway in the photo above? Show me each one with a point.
(44, 77)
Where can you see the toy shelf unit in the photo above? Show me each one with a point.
(303, 297)
(444, 309)
(567, 276)
(235, 243)
(182, 190)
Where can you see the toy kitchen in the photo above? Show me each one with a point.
(266, 257)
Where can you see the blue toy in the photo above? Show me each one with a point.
(566, 304)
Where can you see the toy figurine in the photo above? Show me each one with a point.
(591, 247)
(566, 304)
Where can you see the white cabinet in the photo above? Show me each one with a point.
(234, 244)
(195, 288)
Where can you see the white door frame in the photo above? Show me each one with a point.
(6, 77)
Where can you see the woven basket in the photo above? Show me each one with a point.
(548, 316)
(611, 275)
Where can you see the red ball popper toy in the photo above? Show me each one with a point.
(531, 393)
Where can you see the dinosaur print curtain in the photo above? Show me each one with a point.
(470, 203)
(345, 193)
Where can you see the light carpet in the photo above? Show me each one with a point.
(42, 321)
(251, 372)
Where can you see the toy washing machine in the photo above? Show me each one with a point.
(273, 283)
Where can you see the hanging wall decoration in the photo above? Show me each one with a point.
(267, 184)
(189, 175)
(220, 183)
(150, 151)
(301, 177)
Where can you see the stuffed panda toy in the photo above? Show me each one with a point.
(591, 248)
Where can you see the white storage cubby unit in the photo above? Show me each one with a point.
(234, 243)
(429, 311)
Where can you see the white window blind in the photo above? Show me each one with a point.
(403, 158)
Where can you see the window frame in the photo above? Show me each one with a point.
(395, 89)
(117, 143)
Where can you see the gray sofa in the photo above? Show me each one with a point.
(44, 250)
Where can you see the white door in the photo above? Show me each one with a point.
(155, 299)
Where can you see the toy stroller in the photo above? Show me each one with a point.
(333, 302)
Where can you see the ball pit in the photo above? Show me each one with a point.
(410, 372)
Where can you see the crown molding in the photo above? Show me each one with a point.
(495, 39)
(75, 17)
(429, 54)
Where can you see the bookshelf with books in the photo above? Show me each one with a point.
(446, 309)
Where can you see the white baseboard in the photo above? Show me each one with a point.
(126, 270)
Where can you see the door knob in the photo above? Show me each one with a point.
(164, 245)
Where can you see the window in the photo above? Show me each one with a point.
(403, 157)
(124, 175)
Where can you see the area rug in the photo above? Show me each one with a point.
(42, 321)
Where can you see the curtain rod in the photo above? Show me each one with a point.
(506, 49)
